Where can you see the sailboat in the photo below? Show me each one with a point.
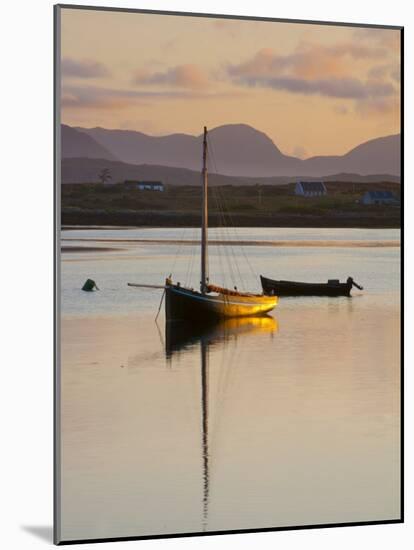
(212, 301)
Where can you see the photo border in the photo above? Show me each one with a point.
(57, 273)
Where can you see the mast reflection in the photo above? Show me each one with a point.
(183, 336)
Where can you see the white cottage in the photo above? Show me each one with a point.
(310, 188)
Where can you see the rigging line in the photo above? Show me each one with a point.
(233, 227)
(219, 252)
(159, 308)
(223, 228)
(241, 246)
(178, 249)
(254, 273)
(159, 333)
(190, 269)
(219, 245)
(223, 209)
(195, 253)
(229, 253)
(189, 255)
(230, 246)
(193, 247)
(233, 278)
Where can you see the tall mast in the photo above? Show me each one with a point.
(204, 220)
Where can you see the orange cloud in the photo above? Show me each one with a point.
(308, 61)
(318, 61)
(182, 76)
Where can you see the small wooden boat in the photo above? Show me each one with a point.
(211, 301)
(292, 288)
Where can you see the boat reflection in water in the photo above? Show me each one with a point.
(183, 336)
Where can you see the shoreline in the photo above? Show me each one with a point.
(87, 249)
(214, 242)
(371, 218)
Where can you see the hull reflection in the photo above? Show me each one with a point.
(181, 336)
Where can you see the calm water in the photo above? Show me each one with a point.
(287, 420)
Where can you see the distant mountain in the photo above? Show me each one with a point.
(179, 150)
(86, 170)
(240, 150)
(236, 150)
(380, 155)
(80, 144)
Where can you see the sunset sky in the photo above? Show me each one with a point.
(313, 89)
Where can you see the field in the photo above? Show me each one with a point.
(257, 205)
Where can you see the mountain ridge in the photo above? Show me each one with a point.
(238, 150)
(75, 144)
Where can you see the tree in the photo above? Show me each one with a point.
(105, 175)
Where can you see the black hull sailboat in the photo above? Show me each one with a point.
(211, 302)
(294, 288)
(186, 304)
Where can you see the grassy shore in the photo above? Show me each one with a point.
(253, 206)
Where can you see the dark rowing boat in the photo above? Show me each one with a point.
(292, 288)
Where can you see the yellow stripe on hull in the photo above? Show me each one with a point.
(182, 303)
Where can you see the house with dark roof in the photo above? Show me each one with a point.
(310, 188)
(380, 197)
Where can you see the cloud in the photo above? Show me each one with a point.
(265, 62)
(307, 61)
(182, 76)
(356, 51)
(391, 70)
(347, 88)
(317, 70)
(378, 71)
(388, 39)
(378, 106)
(91, 98)
(100, 98)
(85, 68)
(94, 97)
